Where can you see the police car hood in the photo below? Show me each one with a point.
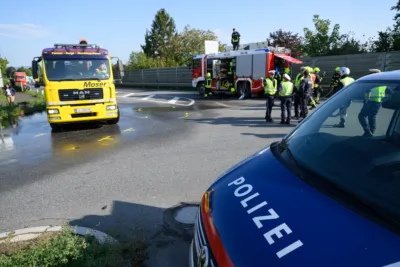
(266, 216)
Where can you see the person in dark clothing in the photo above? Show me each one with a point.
(305, 92)
(344, 81)
(235, 40)
(296, 95)
(335, 82)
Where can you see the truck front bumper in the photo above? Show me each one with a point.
(81, 113)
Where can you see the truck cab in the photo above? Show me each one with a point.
(79, 83)
(322, 196)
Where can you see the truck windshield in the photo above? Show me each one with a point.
(363, 166)
(77, 69)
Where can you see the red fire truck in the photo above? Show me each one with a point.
(248, 66)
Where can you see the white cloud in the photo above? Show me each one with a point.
(23, 30)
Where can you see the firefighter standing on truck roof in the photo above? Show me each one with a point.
(296, 94)
(344, 81)
(235, 40)
(305, 91)
(317, 85)
(270, 90)
(372, 104)
(285, 90)
(207, 86)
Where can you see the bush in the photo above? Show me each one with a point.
(69, 250)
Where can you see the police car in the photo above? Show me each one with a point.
(322, 196)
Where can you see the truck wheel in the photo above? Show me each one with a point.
(244, 91)
(113, 121)
(201, 89)
(55, 127)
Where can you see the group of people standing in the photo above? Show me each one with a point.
(304, 92)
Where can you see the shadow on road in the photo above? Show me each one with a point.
(270, 135)
(244, 121)
(169, 245)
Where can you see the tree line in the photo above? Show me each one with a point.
(164, 46)
(8, 72)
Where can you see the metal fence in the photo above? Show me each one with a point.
(358, 64)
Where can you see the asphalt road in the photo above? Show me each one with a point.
(120, 179)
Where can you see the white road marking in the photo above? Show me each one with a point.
(128, 95)
(174, 100)
(148, 97)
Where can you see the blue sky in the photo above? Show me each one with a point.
(119, 25)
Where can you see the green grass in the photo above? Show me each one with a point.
(65, 249)
(9, 114)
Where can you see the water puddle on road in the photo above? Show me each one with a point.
(31, 140)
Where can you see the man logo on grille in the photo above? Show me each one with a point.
(203, 258)
(81, 95)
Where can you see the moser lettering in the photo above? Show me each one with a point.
(245, 191)
(94, 84)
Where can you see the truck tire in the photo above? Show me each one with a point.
(114, 121)
(244, 90)
(55, 127)
(201, 89)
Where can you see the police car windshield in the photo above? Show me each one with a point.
(71, 69)
(365, 166)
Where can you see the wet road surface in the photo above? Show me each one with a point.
(159, 155)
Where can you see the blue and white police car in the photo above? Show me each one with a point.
(322, 196)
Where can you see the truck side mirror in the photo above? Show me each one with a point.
(121, 68)
(35, 69)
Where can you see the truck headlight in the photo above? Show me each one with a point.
(112, 107)
(52, 111)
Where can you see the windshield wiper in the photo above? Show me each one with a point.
(284, 147)
(65, 80)
(89, 79)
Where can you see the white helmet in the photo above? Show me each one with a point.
(344, 71)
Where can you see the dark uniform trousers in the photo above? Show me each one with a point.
(369, 111)
(296, 101)
(286, 106)
(235, 46)
(268, 105)
(304, 100)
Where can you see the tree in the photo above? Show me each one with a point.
(3, 66)
(160, 41)
(10, 71)
(321, 41)
(389, 39)
(287, 39)
(139, 60)
(384, 42)
(191, 42)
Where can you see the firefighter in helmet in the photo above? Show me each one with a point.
(344, 81)
(207, 86)
(317, 85)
